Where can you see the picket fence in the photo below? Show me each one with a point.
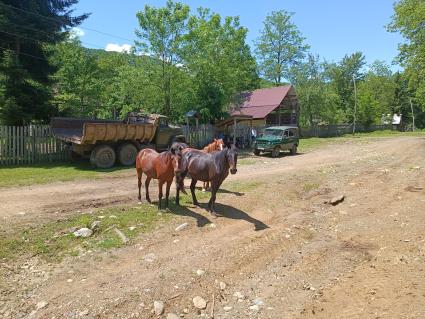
(23, 145)
(199, 136)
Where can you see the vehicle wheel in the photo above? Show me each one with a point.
(293, 150)
(103, 156)
(257, 152)
(127, 153)
(276, 152)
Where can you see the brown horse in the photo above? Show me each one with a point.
(216, 145)
(160, 166)
(207, 167)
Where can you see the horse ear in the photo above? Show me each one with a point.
(172, 150)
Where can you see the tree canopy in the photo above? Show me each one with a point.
(187, 59)
(27, 28)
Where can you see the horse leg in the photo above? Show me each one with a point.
(214, 189)
(160, 183)
(139, 184)
(206, 186)
(177, 193)
(192, 190)
(147, 181)
(167, 192)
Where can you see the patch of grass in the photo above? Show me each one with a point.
(53, 241)
(248, 161)
(54, 172)
(310, 186)
(308, 144)
(245, 186)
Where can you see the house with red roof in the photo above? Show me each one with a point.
(270, 106)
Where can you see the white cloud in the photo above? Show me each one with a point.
(77, 33)
(118, 48)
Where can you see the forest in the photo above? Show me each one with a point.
(194, 59)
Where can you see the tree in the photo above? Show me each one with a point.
(376, 94)
(342, 75)
(279, 47)
(27, 28)
(161, 35)
(220, 61)
(77, 84)
(409, 20)
(317, 98)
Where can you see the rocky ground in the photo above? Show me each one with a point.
(281, 248)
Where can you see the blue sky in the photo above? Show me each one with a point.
(332, 28)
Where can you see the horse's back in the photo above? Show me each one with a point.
(145, 159)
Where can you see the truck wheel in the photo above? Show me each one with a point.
(127, 153)
(102, 156)
(293, 149)
(257, 152)
(276, 151)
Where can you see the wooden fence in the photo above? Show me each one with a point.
(199, 136)
(22, 145)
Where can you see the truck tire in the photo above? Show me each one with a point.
(103, 156)
(293, 149)
(127, 153)
(257, 152)
(276, 152)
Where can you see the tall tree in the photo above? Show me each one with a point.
(342, 76)
(279, 47)
(317, 98)
(77, 80)
(409, 20)
(217, 56)
(27, 27)
(376, 94)
(161, 35)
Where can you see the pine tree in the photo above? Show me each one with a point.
(27, 28)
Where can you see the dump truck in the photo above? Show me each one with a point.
(106, 142)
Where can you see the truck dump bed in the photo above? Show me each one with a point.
(83, 131)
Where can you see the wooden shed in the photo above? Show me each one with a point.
(270, 106)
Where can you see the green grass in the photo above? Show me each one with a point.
(310, 186)
(53, 241)
(47, 173)
(248, 161)
(307, 144)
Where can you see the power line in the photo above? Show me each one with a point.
(58, 20)
(43, 42)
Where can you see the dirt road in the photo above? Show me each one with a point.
(281, 251)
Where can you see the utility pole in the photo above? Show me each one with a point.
(413, 115)
(355, 105)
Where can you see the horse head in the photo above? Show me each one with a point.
(219, 144)
(177, 154)
(179, 163)
(232, 159)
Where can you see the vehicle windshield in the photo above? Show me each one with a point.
(272, 132)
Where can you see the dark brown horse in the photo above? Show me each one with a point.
(216, 145)
(160, 166)
(207, 167)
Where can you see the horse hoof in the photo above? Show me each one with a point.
(214, 215)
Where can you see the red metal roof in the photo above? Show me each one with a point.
(261, 102)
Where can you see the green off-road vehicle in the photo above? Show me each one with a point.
(277, 138)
